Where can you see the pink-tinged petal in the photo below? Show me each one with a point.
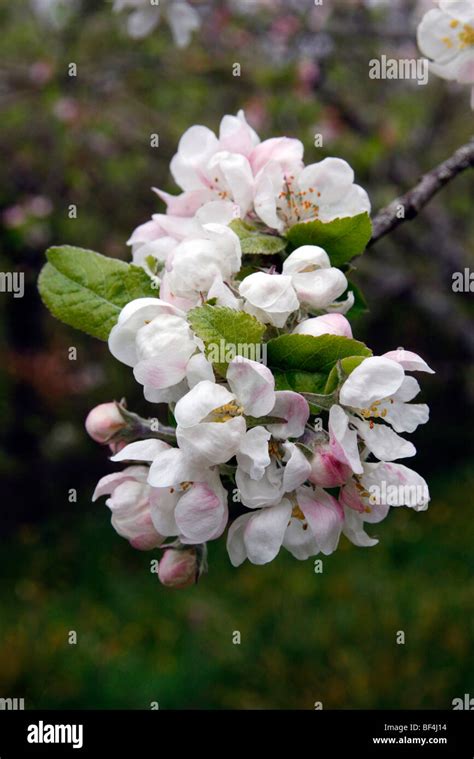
(195, 148)
(328, 324)
(253, 456)
(110, 482)
(141, 450)
(153, 373)
(374, 379)
(343, 440)
(350, 498)
(264, 532)
(324, 517)
(268, 184)
(235, 540)
(297, 469)
(212, 442)
(394, 485)
(292, 407)
(200, 401)
(147, 232)
(236, 135)
(383, 442)
(253, 385)
(184, 304)
(410, 361)
(354, 530)
(285, 151)
(199, 513)
(185, 204)
(171, 467)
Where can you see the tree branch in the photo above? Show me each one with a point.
(414, 200)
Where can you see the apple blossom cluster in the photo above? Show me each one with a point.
(284, 431)
(446, 36)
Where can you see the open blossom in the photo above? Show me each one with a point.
(446, 36)
(307, 280)
(368, 497)
(306, 524)
(194, 265)
(189, 501)
(211, 424)
(145, 15)
(154, 338)
(323, 191)
(130, 503)
(377, 394)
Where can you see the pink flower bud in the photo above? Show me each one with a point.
(328, 324)
(178, 568)
(326, 469)
(104, 421)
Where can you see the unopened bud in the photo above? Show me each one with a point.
(104, 421)
(178, 568)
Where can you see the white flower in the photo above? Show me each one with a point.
(305, 525)
(269, 297)
(368, 497)
(188, 501)
(210, 418)
(130, 504)
(378, 390)
(307, 280)
(145, 16)
(155, 339)
(323, 191)
(446, 35)
(194, 265)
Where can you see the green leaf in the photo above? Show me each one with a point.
(342, 239)
(254, 242)
(226, 333)
(87, 290)
(312, 354)
(342, 368)
(300, 382)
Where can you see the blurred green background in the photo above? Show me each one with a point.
(85, 140)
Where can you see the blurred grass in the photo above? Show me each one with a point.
(306, 637)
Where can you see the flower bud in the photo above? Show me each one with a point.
(178, 568)
(104, 421)
(327, 324)
(326, 469)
